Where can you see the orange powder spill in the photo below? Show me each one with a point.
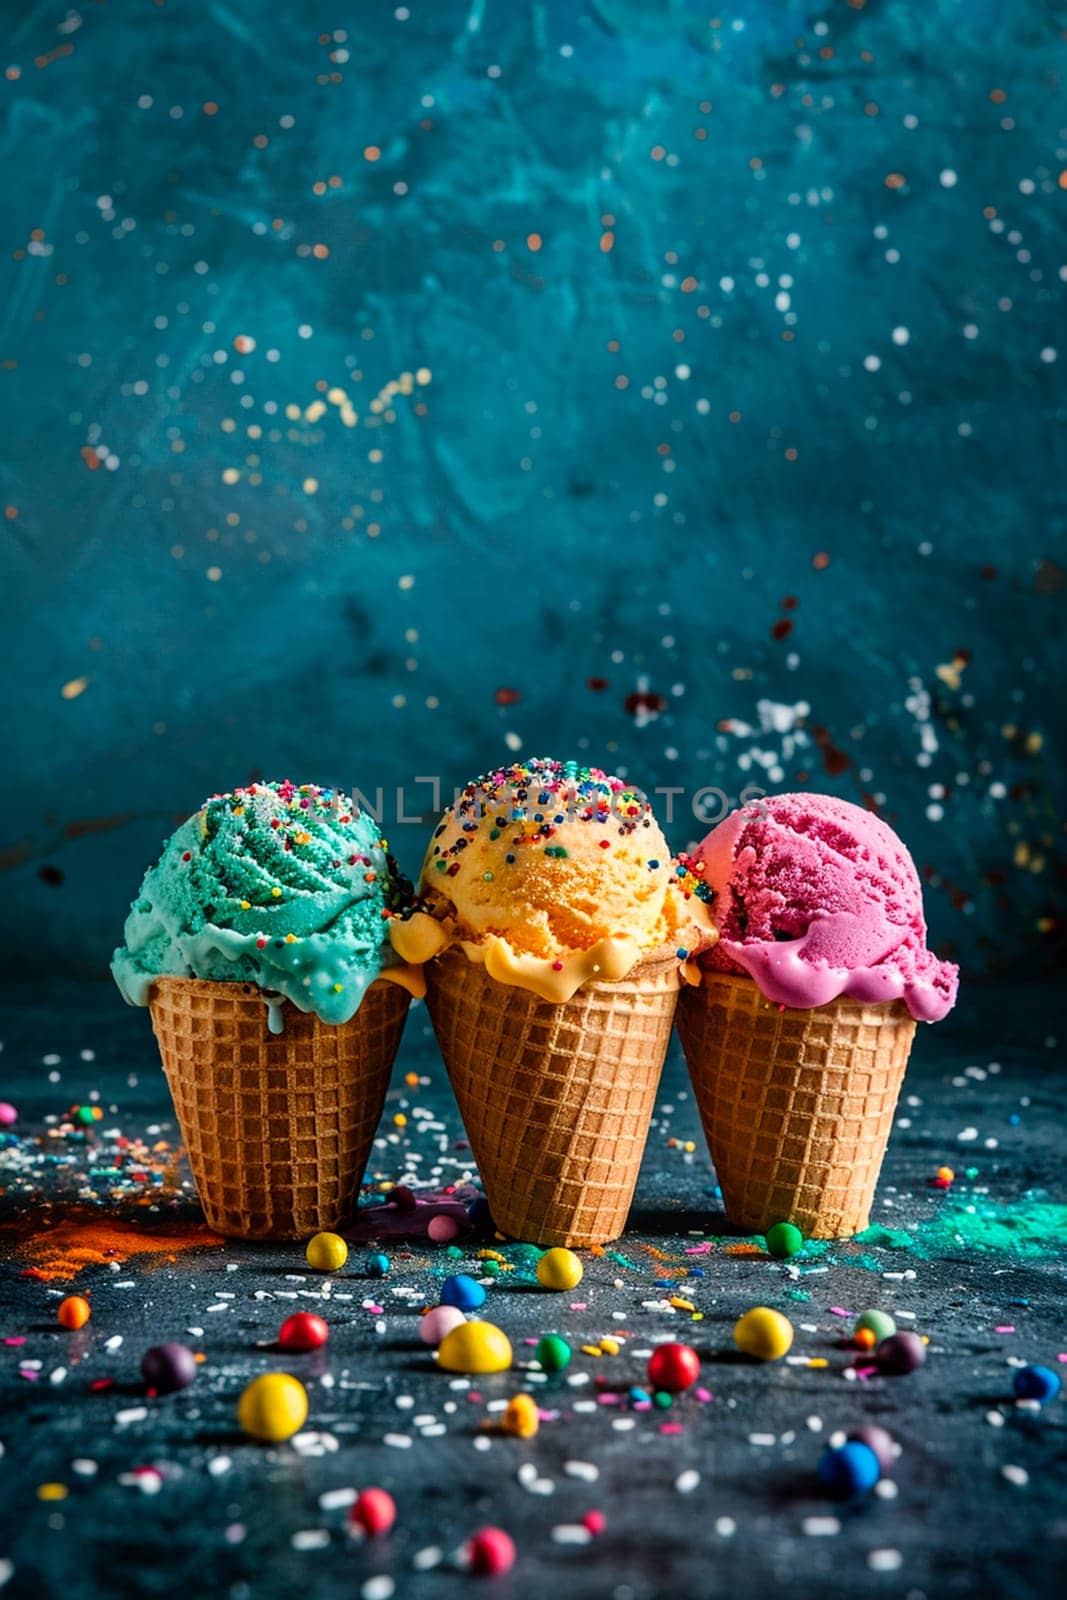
(60, 1253)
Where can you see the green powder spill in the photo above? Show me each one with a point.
(1030, 1231)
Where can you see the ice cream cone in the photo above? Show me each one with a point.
(556, 1098)
(278, 1127)
(797, 1105)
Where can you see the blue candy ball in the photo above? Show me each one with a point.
(462, 1292)
(1037, 1383)
(849, 1470)
(378, 1265)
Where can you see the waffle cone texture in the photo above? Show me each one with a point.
(797, 1105)
(556, 1099)
(278, 1127)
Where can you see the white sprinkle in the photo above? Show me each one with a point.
(966, 1135)
(220, 1306)
(7, 1571)
(337, 1499)
(762, 1438)
(901, 335)
(885, 1560)
(820, 1527)
(431, 1556)
(131, 1414)
(624, 1424)
(217, 1465)
(310, 1539)
(585, 1470)
(686, 1482)
(58, 1375)
(380, 1588)
(725, 1527)
(995, 1419)
(114, 1342)
(313, 1444)
(949, 179)
(1017, 1475)
(399, 1441)
(482, 1441)
(886, 1489)
(571, 1533)
(815, 1424)
(84, 1467)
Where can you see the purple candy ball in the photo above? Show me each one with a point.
(900, 1353)
(167, 1367)
(880, 1442)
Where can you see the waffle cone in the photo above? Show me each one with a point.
(797, 1105)
(556, 1099)
(278, 1127)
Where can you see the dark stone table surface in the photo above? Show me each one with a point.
(110, 1492)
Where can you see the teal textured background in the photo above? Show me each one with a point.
(752, 472)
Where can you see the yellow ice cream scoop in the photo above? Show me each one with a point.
(553, 874)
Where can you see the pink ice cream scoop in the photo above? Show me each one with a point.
(816, 898)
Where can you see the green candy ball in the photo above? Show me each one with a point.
(553, 1353)
(784, 1240)
(880, 1323)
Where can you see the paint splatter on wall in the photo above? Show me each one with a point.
(677, 392)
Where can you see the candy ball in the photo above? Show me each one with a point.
(378, 1265)
(273, 1407)
(374, 1512)
(944, 1178)
(880, 1442)
(303, 1331)
(475, 1347)
(880, 1323)
(490, 1552)
(8, 1114)
(1037, 1383)
(900, 1353)
(849, 1470)
(764, 1333)
(442, 1228)
(465, 1293)
(439, 1321)
(522, 1417)
(784, 1240)
(73, 1312)
(552, 1353)
(559, 1269)
(673, 1367)
(595, 1522)
(168, 1367)
(326, 1252)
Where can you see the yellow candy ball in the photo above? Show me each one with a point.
(273, 1407)
(764, 1333)
(522, 1417)
(326, 1252)
(475, 1347)
(559, 1269)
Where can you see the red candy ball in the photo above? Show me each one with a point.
(374, 1512)
(490, 1551)
(673, 1367)
(595, 1522)
(303, 1331)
